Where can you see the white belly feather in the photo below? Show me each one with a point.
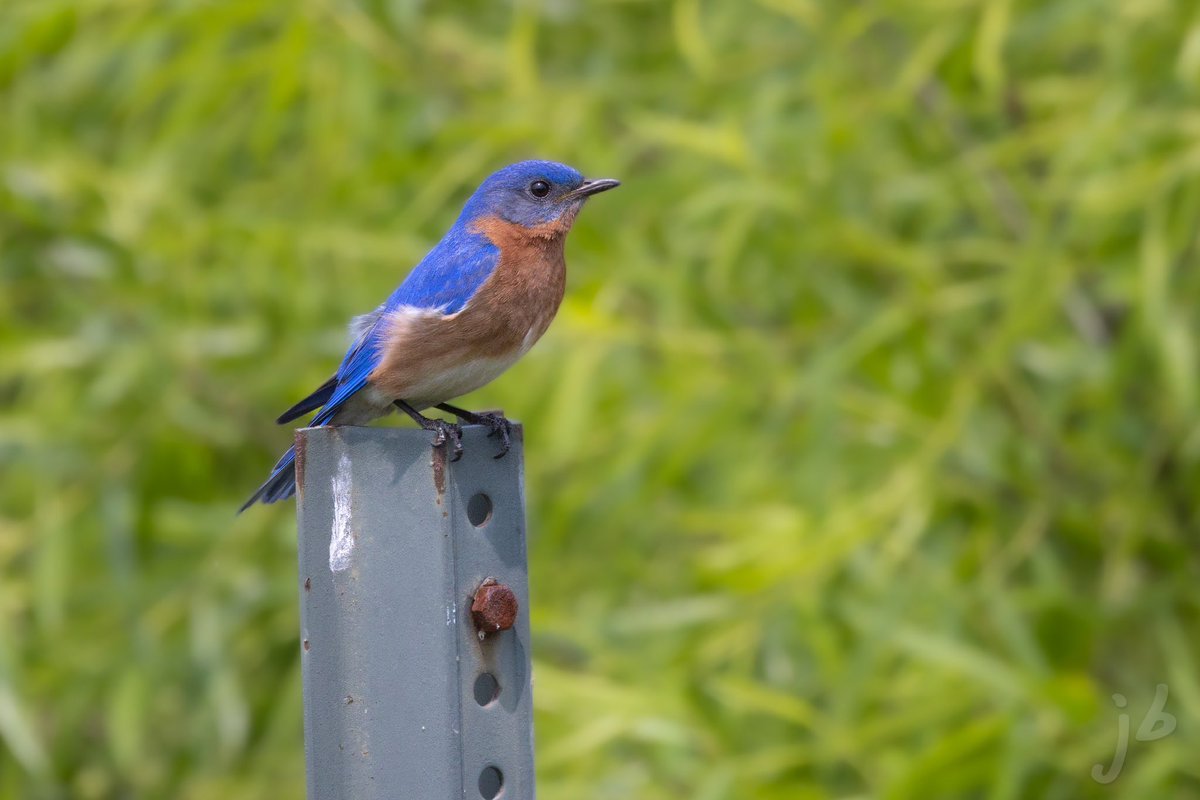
(453, 380)
(440, 386)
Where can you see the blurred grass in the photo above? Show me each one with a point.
(862, 457)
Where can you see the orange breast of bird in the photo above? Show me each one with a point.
(429, 357)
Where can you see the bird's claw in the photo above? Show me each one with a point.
(444, 432)
(496, 421)
(500, 427)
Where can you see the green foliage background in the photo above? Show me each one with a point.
(862, 457)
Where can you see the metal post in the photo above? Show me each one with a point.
(403, 696)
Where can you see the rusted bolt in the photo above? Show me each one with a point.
(494, 608)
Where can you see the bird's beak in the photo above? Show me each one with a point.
(592, 187)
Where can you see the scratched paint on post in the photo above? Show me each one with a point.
(341, 539)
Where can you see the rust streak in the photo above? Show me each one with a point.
(299, 467)
(439, 471)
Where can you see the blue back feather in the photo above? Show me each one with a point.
(450, 275)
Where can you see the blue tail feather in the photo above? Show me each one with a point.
(280, 486)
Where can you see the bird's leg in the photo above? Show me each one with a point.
(497, 422)
(443, 431)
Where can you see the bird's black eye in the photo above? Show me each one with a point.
(539, 188)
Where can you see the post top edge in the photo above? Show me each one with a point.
(385, 431)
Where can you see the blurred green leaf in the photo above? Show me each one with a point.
(865, 440)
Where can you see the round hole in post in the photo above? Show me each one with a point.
(479, 509)
(491, 781)
(487, 688)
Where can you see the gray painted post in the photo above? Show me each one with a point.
(390, 558)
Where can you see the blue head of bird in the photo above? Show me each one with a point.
(534, 194)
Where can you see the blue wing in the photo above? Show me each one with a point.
(449, 276)
(318, 398)
(445, 280)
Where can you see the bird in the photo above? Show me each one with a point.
(473, 306)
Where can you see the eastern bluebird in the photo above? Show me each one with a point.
(474, 305)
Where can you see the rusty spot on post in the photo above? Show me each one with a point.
(439, 470)
(298, 449)
(307, 646)
(308, 584)
(494, 608)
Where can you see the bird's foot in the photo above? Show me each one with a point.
(443, 432)
(500, 426)
(447, 432)
(497, 422)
